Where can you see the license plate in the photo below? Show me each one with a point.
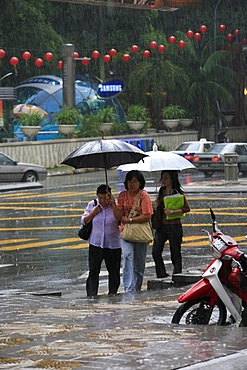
(219, 244)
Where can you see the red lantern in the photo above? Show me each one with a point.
(125, 57)
(112, 52)
(146, 54)
(153, 44)
(236, 33)
(229, 37)
(38, 62)
(2, 53)
(190, 34)
(161, 48)
(244, 41)
(106, 58)
(75, 54)
(197, 36)
(95, 54)
(14, 61)
(48, 56)
(134, 48)
(203, 28)
(181, 44)
(172, 39)
(85, 61)
(60, 64)
(222, 28)
(26, 55)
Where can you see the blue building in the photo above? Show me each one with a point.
(46, 92)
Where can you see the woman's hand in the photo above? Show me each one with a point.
(168, 211)
(125, 220)
(111, 199)
(97, 209)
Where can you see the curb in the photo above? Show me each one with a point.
(20, 186)
(72, 171)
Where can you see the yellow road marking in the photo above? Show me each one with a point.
(42, 217)
(39, 244)
(18, 240)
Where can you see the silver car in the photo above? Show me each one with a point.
(213, 160)
(11, 170)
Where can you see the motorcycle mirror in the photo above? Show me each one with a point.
(212, 214)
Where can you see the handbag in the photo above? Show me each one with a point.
(85, 230)
(174, 202)
(140, 233)
(156, 218)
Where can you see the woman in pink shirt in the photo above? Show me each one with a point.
(134, 253)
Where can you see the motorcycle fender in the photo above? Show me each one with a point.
(201, 289)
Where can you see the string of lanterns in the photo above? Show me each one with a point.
(38, 62)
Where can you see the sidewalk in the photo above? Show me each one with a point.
(127, 331)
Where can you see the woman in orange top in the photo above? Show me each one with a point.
(134, 253)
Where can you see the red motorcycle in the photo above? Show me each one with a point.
(223, 286)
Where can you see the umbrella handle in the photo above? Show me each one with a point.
(106, 179)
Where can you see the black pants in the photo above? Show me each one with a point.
(174, 234)
(112, 258)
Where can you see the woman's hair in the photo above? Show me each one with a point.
(138, 175)
(103, 189)
(175, 182)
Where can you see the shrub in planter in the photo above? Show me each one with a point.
(173, 112)
(30, 119)
(68, 116)
(137, 113)
(105, 115)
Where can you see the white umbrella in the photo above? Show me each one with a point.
(158, 161)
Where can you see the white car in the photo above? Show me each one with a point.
(11, 170)
(188, 149)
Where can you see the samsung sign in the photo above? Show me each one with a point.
(110, 89)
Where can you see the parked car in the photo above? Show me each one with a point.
(11, 170)
(213, 160)
(189, 149)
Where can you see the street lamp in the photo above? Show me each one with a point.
(5, 76)
(215, 16)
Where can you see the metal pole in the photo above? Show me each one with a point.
(68, 76)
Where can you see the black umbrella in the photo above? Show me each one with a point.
(104, 154)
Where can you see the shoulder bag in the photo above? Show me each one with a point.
(139, 233)
(173, 202)
(85, 230)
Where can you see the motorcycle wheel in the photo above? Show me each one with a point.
(198, 312)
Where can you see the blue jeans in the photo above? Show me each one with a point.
(134, 258)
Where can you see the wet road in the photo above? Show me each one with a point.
(44, 254)
(40, 249)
